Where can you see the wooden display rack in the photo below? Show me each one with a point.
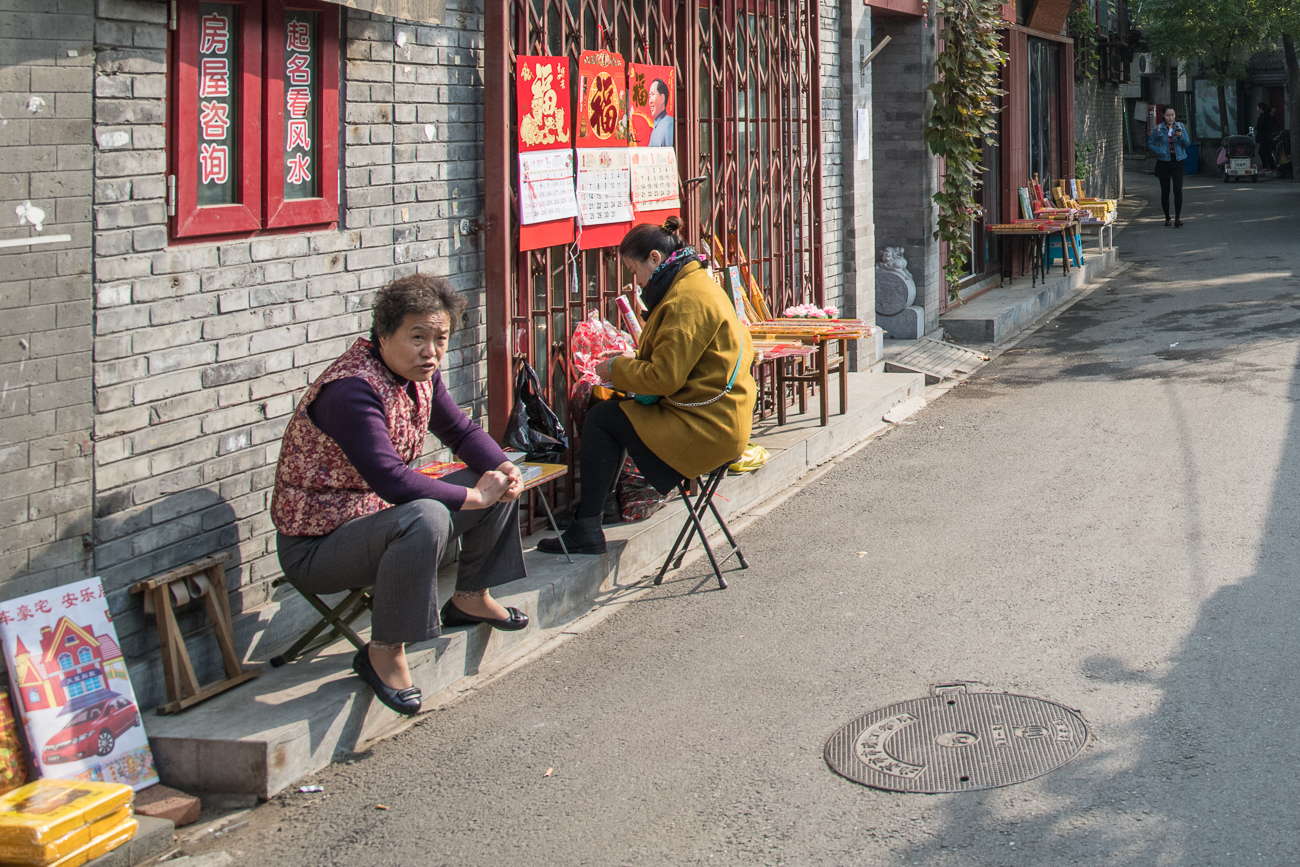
(183, 688)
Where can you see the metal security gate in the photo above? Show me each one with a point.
(760, 142)
(752, 172)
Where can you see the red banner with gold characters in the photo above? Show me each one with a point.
(542, 88)
(602, 100)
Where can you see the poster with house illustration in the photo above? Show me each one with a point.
(70, 687)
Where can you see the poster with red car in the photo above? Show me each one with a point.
(71, 689)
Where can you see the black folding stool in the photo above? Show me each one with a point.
(338, 620)
(695, 511)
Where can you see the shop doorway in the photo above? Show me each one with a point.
(1044, 110)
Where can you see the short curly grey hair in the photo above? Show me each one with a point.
(421, 294)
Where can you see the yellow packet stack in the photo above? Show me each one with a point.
(101, 845)
(50, 821)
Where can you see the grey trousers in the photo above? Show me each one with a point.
(397, 550)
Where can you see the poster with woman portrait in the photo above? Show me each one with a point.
(650, 89)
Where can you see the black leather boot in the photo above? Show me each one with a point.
(584, 536)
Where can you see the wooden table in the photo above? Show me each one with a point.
(793, 368)
(1037, 231)
(550, 472)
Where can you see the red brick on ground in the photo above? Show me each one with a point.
(162, 802)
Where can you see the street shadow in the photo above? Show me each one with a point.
(1202, 768)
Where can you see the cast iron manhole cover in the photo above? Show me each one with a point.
(958, 740)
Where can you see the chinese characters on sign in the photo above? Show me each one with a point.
(602, 100)
(300, 87)
(604, 186)
(218, 85)
(543, 112)
(543, 89)
(546, 186)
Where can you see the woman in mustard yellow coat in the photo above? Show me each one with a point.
(693, 393)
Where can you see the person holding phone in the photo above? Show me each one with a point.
(1169, 143)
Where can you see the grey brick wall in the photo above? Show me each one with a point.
(1099, 119)
(201, 350)
(45, 295)
(832, 156)
(906, 175)
(858, 237)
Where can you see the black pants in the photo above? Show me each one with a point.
(1170, 172)
(606, 435)
(1266, 158)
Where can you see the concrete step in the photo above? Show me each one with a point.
(154, 837)
(1001, 312)
(294, 720)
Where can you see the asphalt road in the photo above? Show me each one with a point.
(1103, 516)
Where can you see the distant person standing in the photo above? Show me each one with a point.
(1264, 136)
(1169, 142)
(662, 134)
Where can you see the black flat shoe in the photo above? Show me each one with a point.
(1168, 222)
(453, 616)
(404, 701)
(1178, 224)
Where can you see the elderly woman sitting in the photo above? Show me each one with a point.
(351, 512)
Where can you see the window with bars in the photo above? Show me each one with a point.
(254, 111)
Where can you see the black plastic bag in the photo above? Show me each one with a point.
(534, 428)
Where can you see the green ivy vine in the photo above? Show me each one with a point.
(1083, 29)
(1083, 162)
(964, 119)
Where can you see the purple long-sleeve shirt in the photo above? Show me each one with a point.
(351, 413)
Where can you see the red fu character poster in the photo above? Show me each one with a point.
(604, 185)
(545, 123)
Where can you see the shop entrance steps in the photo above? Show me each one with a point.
(296, 719)
(997, 314)
(935, 359)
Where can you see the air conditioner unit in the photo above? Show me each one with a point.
(1145, 66)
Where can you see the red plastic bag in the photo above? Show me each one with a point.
(591, 340)
(637, 498)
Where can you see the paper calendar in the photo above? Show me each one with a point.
(654, 179)
(546, 186)
(604, 186)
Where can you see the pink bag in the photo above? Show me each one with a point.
(591, 340)
(1223, 157)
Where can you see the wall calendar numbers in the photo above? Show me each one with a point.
(604, 186)
(654, 179)
(546, 186)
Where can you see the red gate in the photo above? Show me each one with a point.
(748, 150)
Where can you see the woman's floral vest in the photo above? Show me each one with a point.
(317, 490)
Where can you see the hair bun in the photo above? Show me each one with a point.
(673, 225)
